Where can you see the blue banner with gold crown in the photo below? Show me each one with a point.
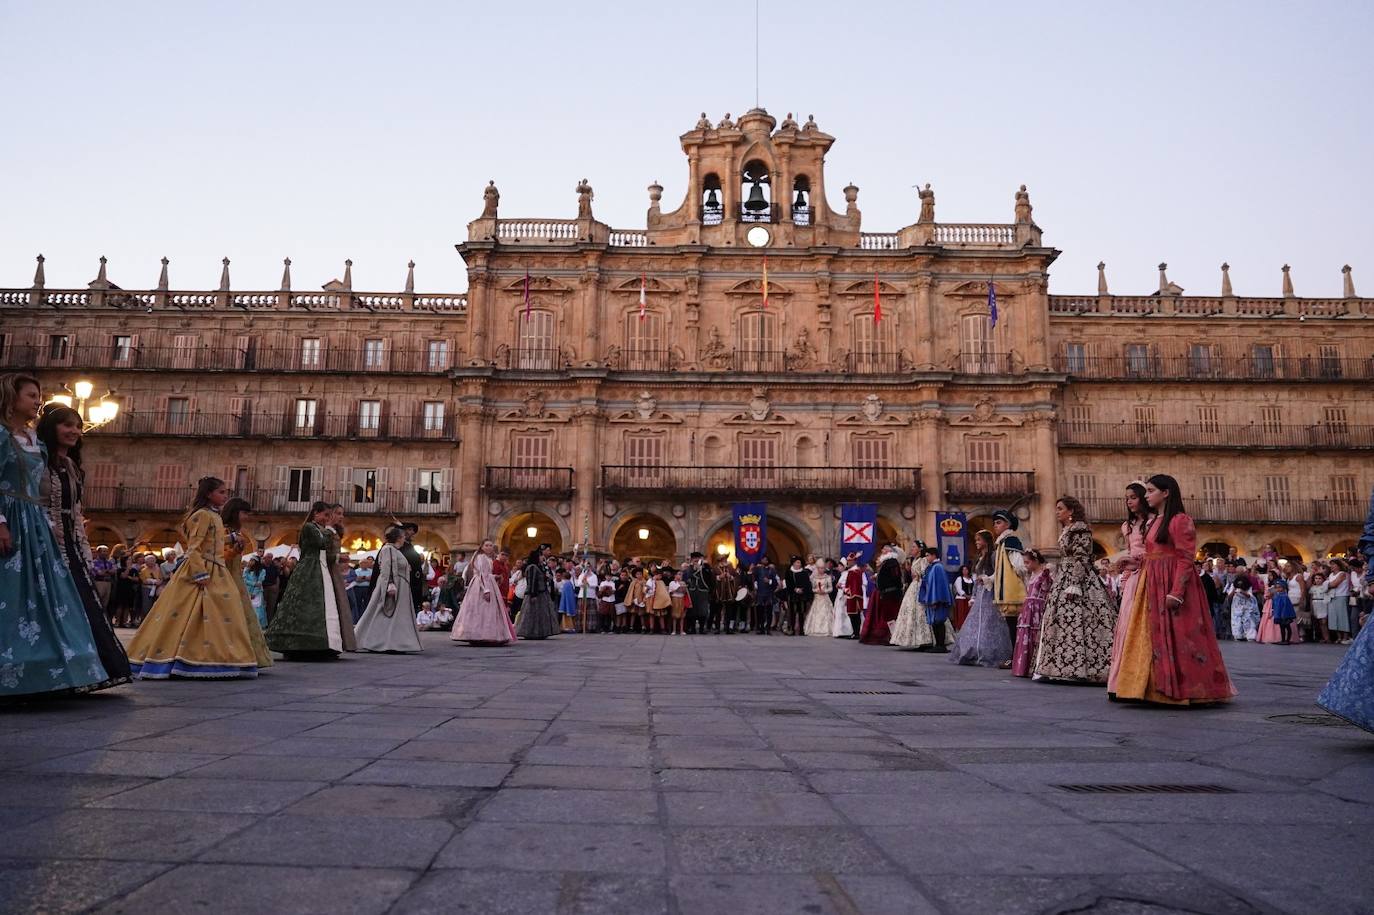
(751, 531)
(951, 536)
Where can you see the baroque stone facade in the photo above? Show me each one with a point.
(621, 388)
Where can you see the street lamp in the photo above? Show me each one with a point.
(77, 396)
(643, 533)
(532, 532)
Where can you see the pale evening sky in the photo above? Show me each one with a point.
(1180, 131)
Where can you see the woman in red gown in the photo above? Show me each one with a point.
(1169, 652)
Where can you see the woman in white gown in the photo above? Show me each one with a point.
(910, 630)
(820, 619)
(388, 624)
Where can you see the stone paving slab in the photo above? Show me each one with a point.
(699, 774)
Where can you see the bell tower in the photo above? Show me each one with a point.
(756, 174)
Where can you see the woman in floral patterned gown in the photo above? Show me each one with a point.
(1080, 619)
(1032, 612)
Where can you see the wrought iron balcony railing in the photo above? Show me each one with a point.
(759, 360)
(1215, 367)
(1140, 434)
(205, 358)
(989, 485)
(1220, 510)
(356, 500)
(733, 480)
(529, 481)
(289, 424)
(979, 363)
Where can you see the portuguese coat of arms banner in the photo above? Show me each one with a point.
(751, 531)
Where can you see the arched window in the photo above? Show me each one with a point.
(875, 344)
(975, 345)
(644, 351)
(801, 201)
(536, 347)
(756, 194)
(758, 349)
(712, 210)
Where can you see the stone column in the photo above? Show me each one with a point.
(929, 427)
(586, 465)
(1045, 453)
(923, 327)
(468, 476)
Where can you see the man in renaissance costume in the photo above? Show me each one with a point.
(877, 624)
(417, 564)
(1009, 569)
(852, 592)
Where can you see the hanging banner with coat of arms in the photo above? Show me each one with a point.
(751, 531)
(951, 536)
(858, 530)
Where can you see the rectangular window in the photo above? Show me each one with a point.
(644, 339)
(975, 345)
(305, 414)
(758, 460)
(310, 353)
(1208, 420)
(436, 355)
(1276, 490)
(374, 353)
(299, 485)
(644, 455)
(872, 461)
(875, 348)
(1343, 490)
(184, 348)
(1336, 420)
(178, 414)
(1080, 417)
(1329, 360)
(1144, 419)
(1075, 358)
(983, 455)
(1213, 489)
(1085, 487)
(531, 455)
(1200, 360)
(123, 349)
(535, 346)
(1262, 360)
(369, 415)
(364, 485)
(757, 343)
(1138, 360)
(430, 487)
(1271, 419)
(433, 416)
(59, 347)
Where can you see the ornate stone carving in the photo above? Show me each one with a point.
(534, 405)
(703, 123)
(584, 199)
(646, 405)
(491, 199)
(714, 354)
(872, 407)
(927, 204)
(984, 410)
(1023, 207)
(759, 408)
(788, 123)
(611, 357)
(726, 123)
(803, 353)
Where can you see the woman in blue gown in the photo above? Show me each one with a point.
(46, 646)
(1350, 691)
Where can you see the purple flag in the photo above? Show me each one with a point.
(992, 303)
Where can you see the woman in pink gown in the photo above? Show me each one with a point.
(1138, 518)
(1169, 654)
(482, 618)
(1031, 615)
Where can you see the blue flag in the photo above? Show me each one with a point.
(751, 531)
(992, 303)
(951, 536)
(858, 530)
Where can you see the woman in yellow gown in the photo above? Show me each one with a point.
(197, 628)
(234, 514)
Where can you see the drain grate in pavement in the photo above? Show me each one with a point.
(788, 711)
(1328, 721)
(1146, 789)
(864, 692)
(920, 714)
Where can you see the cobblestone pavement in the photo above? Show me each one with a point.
(721, 774)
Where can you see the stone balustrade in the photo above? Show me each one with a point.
(148, 299)
(536, 231)
(1209, 306)
(879, 241)
(629, 238)
(974, 233)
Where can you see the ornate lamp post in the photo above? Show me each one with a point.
(77, 395)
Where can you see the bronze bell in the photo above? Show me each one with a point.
(801, 199)
(712, 201)
(756, 201)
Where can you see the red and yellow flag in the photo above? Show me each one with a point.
(877, 300)
(765, 281)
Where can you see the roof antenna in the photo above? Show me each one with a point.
(756, 53)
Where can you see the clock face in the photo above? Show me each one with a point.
(758, 236)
